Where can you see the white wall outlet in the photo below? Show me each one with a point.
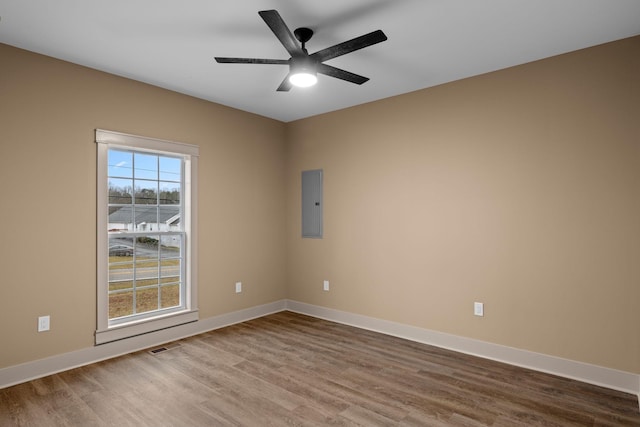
(238, 287)
(43, 323)
(325, 285)
(478, 309)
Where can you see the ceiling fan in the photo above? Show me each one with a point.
(302, 66)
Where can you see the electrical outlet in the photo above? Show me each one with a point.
(43, 323)
(478, 309)
(238, 287)
(325, 285)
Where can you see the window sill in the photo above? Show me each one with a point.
(127, 330)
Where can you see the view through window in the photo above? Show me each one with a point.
(146, 236)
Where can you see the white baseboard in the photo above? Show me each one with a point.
(28, 371)
(592, 374)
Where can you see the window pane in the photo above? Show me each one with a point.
(146, 218)
(169, 217)
(147, 300)
(146, 166)
(120, 219)
(120, 164)
(170, 169)
(170, 296)
(169, 193)
(146, 192)
(120, 191)
(120, 304)
(147, 247)
(120, 249)
(171, 245)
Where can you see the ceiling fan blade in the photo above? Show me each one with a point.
(350, 46)
(273, 19)
(286, 85)
(338, 73)
(223, 60)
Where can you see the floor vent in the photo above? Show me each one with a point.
(164, 348)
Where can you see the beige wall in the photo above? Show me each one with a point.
(519, 189)
(48, 112)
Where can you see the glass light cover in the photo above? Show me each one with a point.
(303, 79)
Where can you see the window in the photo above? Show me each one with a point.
(146, 235)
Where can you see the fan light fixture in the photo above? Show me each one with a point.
(303, 78)
(303, 73)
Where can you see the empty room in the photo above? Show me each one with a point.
(370, 213)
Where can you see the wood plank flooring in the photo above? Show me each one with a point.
(288, 369)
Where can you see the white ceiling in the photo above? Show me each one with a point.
(172, 44)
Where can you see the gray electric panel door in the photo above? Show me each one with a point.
(312, 203)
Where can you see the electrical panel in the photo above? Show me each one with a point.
(312, 203)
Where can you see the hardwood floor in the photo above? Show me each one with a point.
(290, 369)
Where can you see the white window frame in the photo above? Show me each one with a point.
(107, 331)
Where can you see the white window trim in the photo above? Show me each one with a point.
(107, 139)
